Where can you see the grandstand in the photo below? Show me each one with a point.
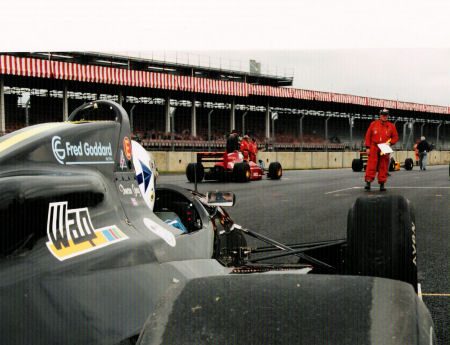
(178, 106)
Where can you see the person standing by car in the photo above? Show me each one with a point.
(416, 151)
(253, 149)
(423, 148)
(379, 132)
(245, 146)
(233, 141)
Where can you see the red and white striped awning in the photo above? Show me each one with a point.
(376, 102)
(302, 94)
(25, 66)
(263, 90)
(351, 99)
(323, 96)
(98, 74)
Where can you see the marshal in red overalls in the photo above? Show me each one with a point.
(380, 131)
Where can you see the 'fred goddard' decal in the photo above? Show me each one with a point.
(71, 233)
(82, 152)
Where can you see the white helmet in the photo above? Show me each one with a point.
(146, 172)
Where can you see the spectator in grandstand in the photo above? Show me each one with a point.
(186, 133)
(416, 151)
(245, 146)
(253, 148)
(423, 148)
(233, 141)
(335, 140)
(380, 131)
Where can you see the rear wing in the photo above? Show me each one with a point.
(211, 157)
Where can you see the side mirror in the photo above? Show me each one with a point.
(226, 199)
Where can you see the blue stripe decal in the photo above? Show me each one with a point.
(108, 235)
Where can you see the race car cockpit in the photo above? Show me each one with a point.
(175, 209)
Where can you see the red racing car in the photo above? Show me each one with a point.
(229, 167)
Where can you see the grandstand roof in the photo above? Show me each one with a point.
(129, 74)
(163, 65)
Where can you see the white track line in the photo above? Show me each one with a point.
(340, 190)
(389, 187)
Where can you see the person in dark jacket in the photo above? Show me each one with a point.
(233, 142)
(423, 147)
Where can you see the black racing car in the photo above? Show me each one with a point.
(91, 249)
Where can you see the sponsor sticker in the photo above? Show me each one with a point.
(123, 164)
(145, 173)
(71, 233)
(159, 231)
(134, 191)
(176, 224)
(82, 152)
(127, 147)
(134, 201)
(144, 177)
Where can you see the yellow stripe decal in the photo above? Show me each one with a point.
(436, 294)
(26, 134)
(75, 249)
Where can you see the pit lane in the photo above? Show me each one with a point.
(312, 205)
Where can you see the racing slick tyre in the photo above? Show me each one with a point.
(190, 172)
(409, 164)
(220, 174)
(357, 165)
(381, 238)
(241, 172)
(275, 171)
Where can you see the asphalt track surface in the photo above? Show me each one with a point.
(312, 205)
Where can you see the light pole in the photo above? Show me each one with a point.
(243, 122)
(209, 130)
(274, 117)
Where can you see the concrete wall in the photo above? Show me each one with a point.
(177, 161)
(303, 160)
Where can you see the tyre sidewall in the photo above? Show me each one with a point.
(381, 239)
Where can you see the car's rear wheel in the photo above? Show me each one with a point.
(409, 164)
(220, 173)
(241, 172)
(357, 165)
(275, 171)
(191, 169)
(381, 238)
(392, 164)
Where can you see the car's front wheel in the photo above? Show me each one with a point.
(241, 172)
(275, 171)
(381, 238)
(357, 165)
(409, 164)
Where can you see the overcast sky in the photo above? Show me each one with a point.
(387, 49)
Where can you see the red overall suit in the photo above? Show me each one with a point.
(253, 148)
(245, 148)
(379, 133)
